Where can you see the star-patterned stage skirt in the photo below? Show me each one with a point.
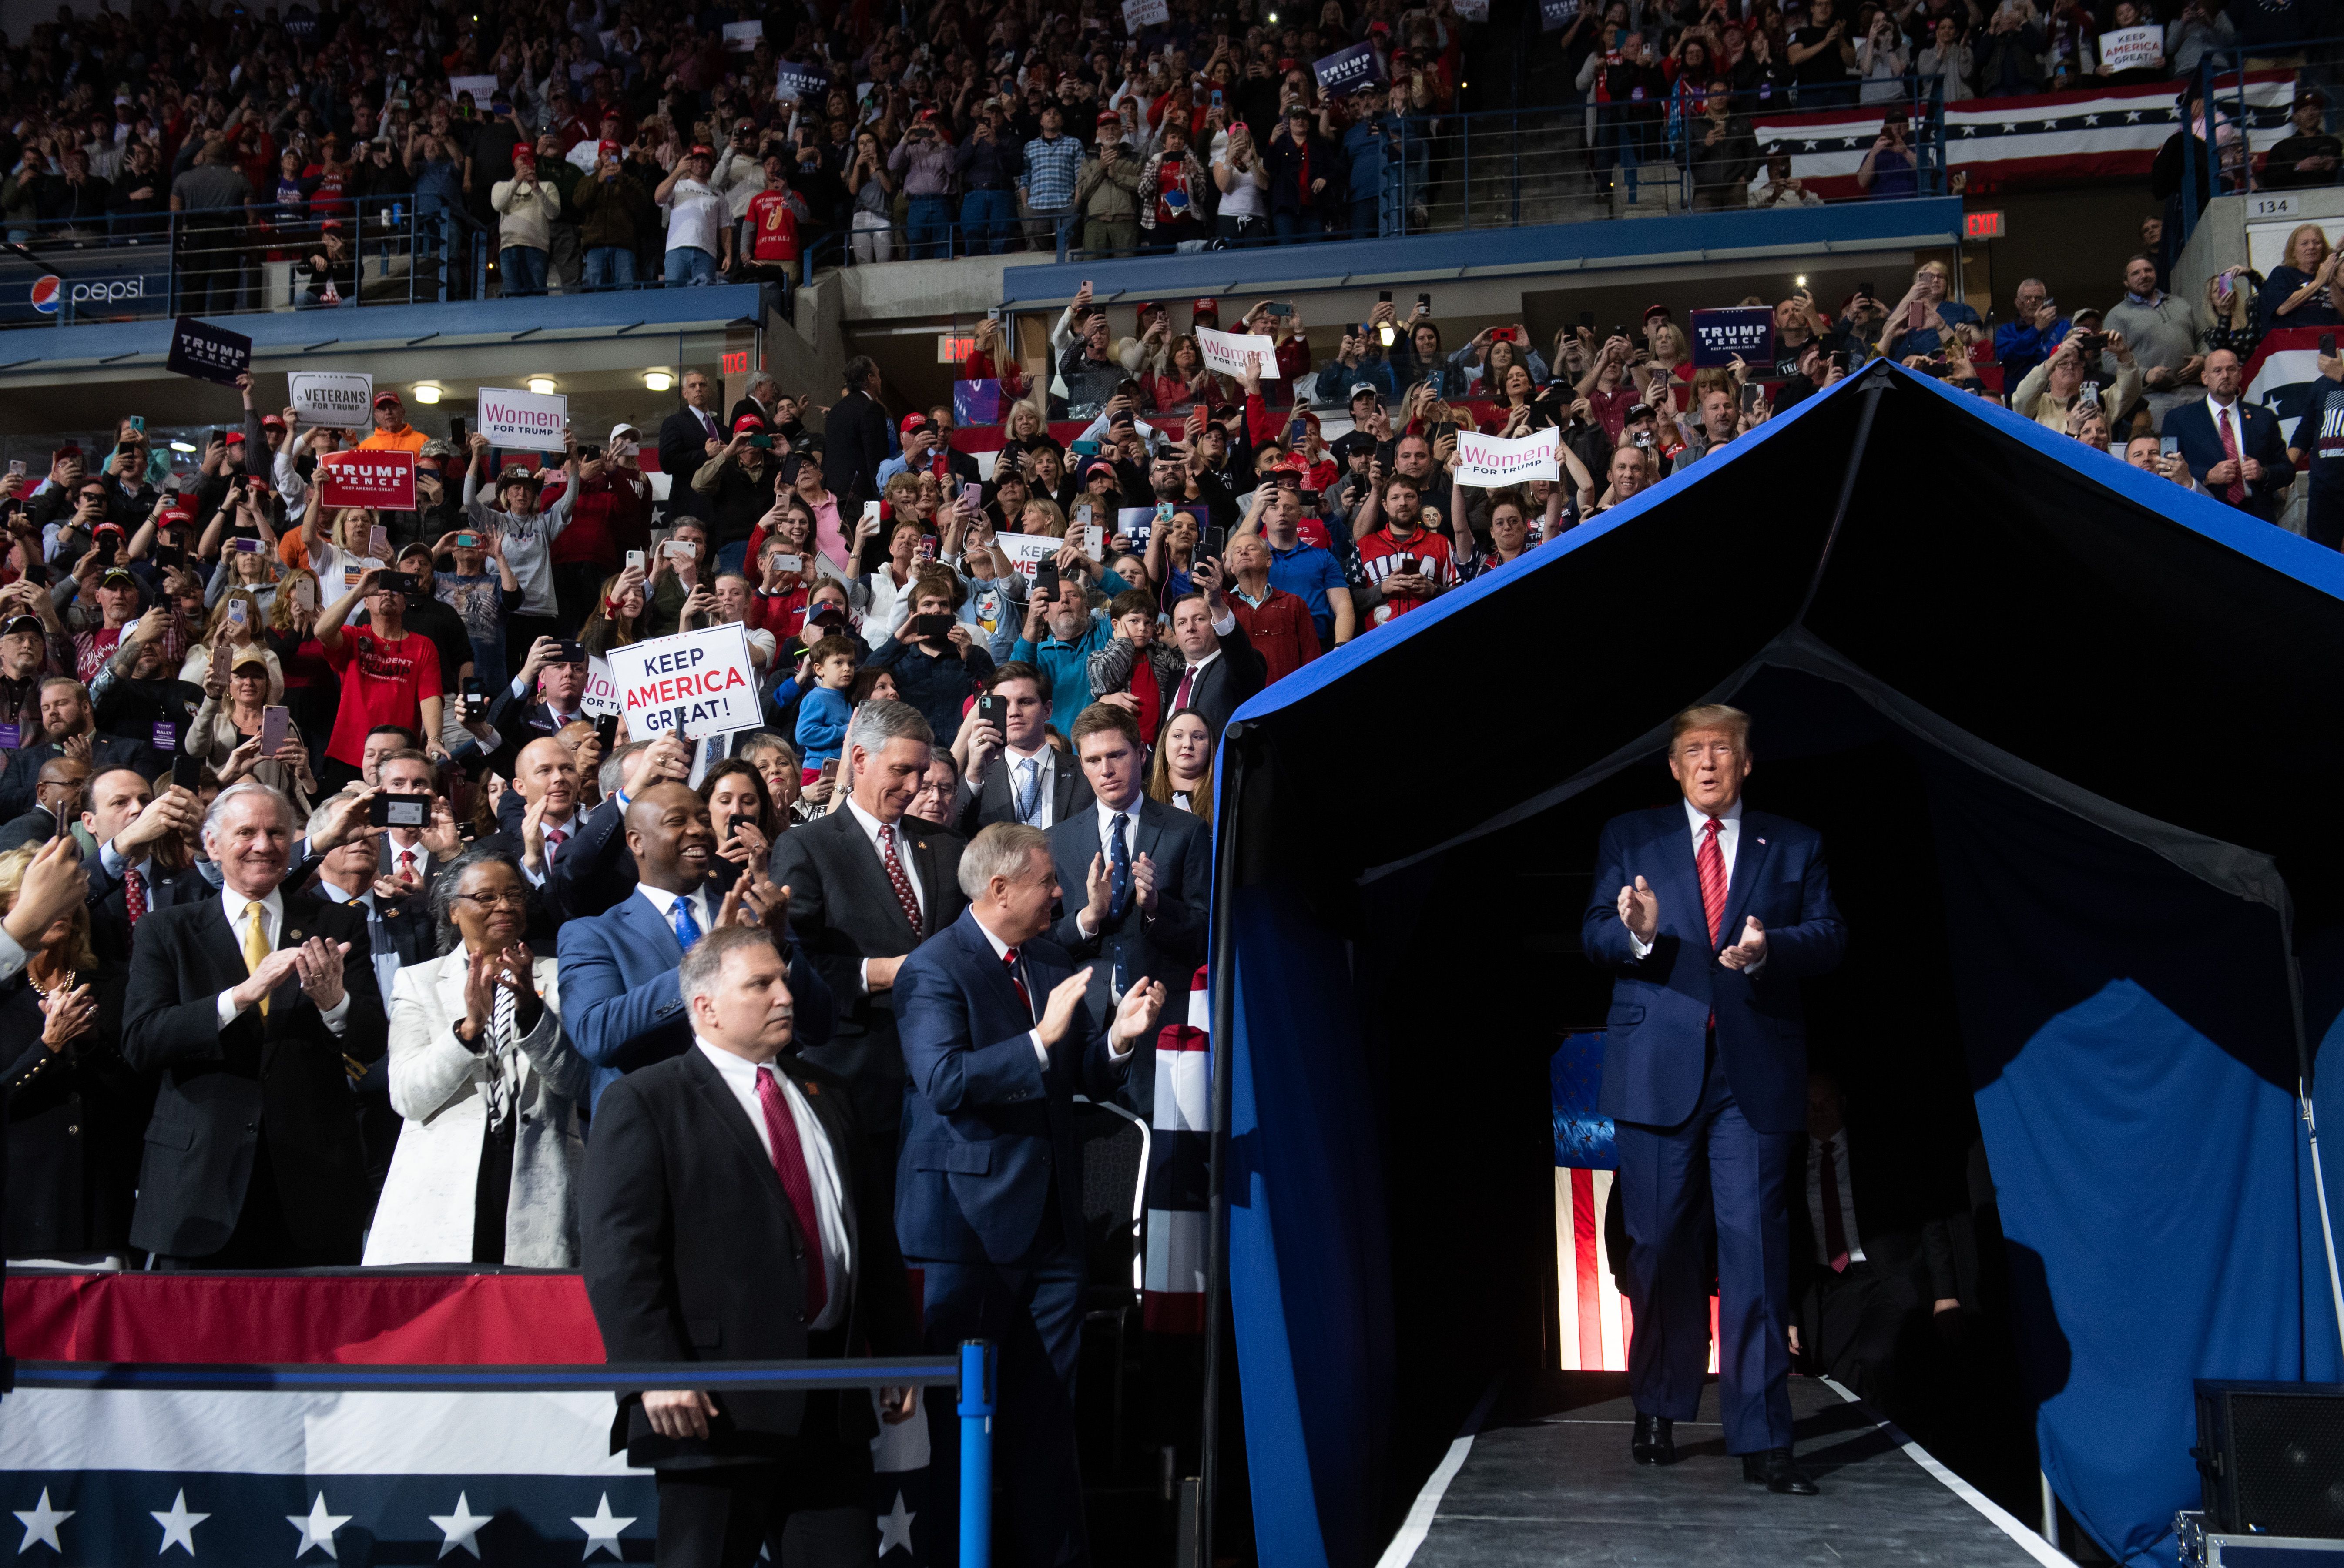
(354, 1477)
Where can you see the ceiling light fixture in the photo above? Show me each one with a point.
(427, 393)
(541, 385)
(657, 381)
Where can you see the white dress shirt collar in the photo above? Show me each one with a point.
(664, 902)
(1728, 820)
(1107, 816)
(272, 910)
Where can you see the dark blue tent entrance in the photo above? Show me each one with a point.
(2065, 729)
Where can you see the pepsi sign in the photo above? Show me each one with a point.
(115, 295)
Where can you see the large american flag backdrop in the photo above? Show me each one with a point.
(2091, 134)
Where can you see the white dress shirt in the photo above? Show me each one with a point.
(1033, 1003)
(663, 901)
(1045, 791)
(272, 920)
(1107, 816)
(739, 1075)
(568, 827)
(386, 961)
(2227, 414)
(1729, 846)
(1837, 1143)
(871, 826)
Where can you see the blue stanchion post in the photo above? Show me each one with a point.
(975, 1454)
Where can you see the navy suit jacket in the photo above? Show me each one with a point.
(1166, 947)
(1655, 1046)
(2201, 447)
(619, 995)
(984, 1125)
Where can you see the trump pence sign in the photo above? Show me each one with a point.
(695, 683)
(382, 479)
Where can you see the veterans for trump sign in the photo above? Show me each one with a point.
(337, 398)
(1493, 462)
(384, 480)
(695, 683)
(531, 421)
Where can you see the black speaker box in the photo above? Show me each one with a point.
(2271, 1458)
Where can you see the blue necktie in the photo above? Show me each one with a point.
(1029, 790)
(1118, 870)
(687, 929)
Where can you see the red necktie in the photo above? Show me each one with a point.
(903, 894)
(1834, 1227)
(1712, 865)
(1188, 684)
(1009, 962)
(407, 863)
(2236, 492)
(789, 1165)
(553, 837)
(134, 896)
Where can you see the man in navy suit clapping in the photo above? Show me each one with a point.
(1709, 916)
(988, 1201)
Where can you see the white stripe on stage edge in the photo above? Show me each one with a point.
(1418, 1523)
(2001, 1518)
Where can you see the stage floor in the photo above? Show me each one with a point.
(1546, 1481)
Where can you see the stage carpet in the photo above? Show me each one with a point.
(1544, 1481)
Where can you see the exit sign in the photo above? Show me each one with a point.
(736, 362)
(1982, 225)
(951, 348)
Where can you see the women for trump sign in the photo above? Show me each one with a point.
(1493, 462)
(1230, 352)
(531, 421)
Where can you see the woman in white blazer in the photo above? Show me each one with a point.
(486, 1168)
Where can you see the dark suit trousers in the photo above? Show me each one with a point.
(1870, 1328)
(262, 1238)
(1671, 1181)
(809, 1506)
(1033, 1312)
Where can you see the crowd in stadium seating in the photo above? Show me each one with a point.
(532, 148)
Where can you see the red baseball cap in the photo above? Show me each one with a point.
(606, 148)
(749, 423)
(914, 421)
(1109, 118)
(1652, 310)
(233, 438)
(1207, 308)
(382, 398)
(701, 149)
(277, 419)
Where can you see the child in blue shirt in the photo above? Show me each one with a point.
(823, 715)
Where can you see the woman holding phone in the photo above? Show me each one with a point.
(238, 621)
(312, 690)
(741, 809)
(255, 569)
(619, 614)
(232, 731)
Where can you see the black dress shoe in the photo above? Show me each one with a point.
(1776, 1471)
(1655, 1440)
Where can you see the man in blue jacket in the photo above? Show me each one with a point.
(988, 1196)
(619, 994)
(1709, 916)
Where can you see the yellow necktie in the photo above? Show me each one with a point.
(256, 944)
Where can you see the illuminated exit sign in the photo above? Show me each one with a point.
(736, 362)
(951, 348)
(1982, 225)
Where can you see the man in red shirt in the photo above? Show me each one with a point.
(1276, 622)
(390, 676)
(1408, 563)
(770, 244)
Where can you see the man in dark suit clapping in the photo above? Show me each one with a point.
(255, 1006)
(1709, 916)
(729, 1213)
(997, 1041)
(1145, 872)
(866, 886)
